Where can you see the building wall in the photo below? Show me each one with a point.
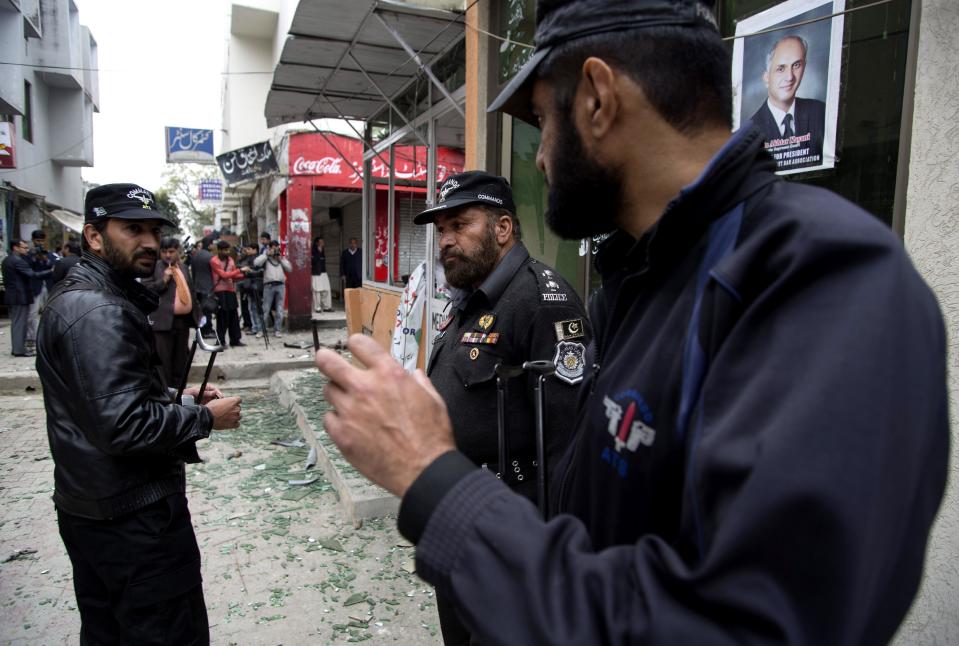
(63, 102)
(247, 126)
(932, 238)
(11, 49)
(55, 131)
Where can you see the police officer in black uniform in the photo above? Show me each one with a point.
(508, 308)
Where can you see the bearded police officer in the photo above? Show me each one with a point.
(508, 309)
(118, 439)
(762, 434)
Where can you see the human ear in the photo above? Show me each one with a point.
(503, 228)
(93, 237)
(600, 101)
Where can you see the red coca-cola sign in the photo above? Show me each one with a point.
(311, 154)
(322, 166)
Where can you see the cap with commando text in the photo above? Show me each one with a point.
(471, 187)
(124, 201)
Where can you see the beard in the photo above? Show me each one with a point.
(584, 197)
(128, 265)
(472, 269)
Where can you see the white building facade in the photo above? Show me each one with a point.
(48, 94)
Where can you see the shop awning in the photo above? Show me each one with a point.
(341, 58)
(69, 219)
(10, 186)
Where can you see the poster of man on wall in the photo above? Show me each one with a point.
(786, 68)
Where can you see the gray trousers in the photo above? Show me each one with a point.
(33, 318)
(273, 300)
(19, 314)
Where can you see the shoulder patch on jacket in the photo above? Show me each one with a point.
(551, 287)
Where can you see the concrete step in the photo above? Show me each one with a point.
(230, 386)
(33, 400)
(225, 370)
(222, 372)
(329, 321)
(359, 498)
(11, 404)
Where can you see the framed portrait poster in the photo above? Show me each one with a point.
(786, 69)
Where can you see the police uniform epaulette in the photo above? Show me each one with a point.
(552, 288)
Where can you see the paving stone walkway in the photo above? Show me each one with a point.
(280, 563)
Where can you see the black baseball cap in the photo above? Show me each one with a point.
(471, 187)
(123, 201)
(560, 21)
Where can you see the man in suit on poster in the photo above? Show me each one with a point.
(783, 114)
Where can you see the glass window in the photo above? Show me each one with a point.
(26, 121)
(414, 99)
(451, 69)
(517, 22)
(379, 125)
(529, 193)
(875, 42)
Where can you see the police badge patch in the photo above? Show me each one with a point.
(570, 361)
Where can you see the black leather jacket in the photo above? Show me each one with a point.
(118, 441)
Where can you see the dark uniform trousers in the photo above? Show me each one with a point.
(137, 577)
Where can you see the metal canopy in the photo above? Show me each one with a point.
(339, 57)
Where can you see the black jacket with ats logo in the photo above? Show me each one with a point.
(118, 441)
(761, 441)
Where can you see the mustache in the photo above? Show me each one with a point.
(446, 255)
(145, 253)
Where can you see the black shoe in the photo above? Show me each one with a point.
(25, 354)
(238, 344)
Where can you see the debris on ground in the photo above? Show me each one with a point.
(293, 442)
(21, 555)
(276, 544)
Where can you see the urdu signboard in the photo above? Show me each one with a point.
(248, 163)
(189, 145)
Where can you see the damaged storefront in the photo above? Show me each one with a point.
(400, 70)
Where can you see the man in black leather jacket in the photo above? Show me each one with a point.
(119, 441)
